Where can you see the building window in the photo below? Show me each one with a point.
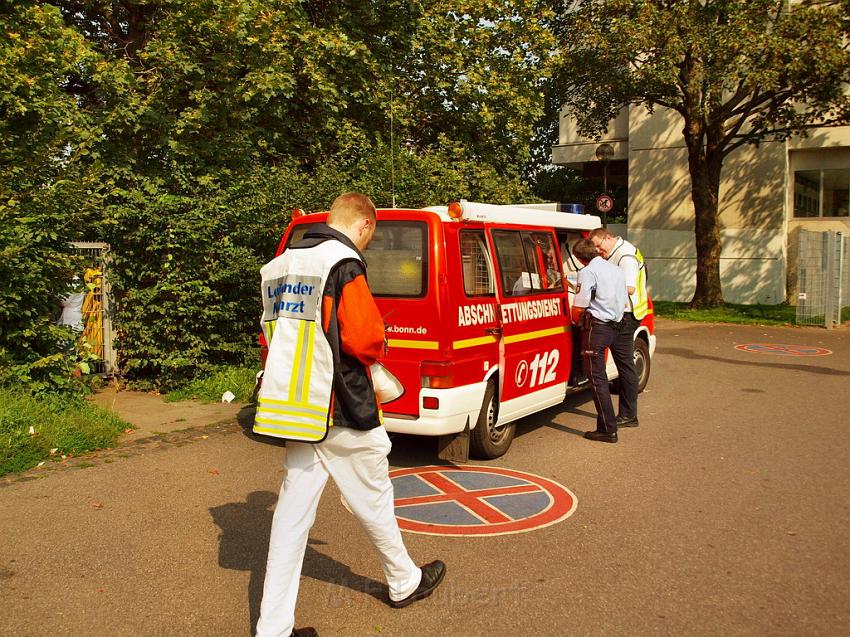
(822, 193)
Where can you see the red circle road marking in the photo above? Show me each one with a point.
(473, 502)
(783, 350)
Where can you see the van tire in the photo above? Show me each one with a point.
(486, 441)
(643, 363)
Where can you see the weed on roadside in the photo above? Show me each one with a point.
(35, 428)
(781, 314)
(238, 380)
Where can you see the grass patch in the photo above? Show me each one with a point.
(67, 424)
(729, 313)
(208, 389)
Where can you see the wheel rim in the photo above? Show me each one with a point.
(495, 433)
(640, 365)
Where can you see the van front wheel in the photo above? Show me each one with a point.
(487, 440)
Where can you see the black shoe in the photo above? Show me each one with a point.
(309, 631)
(622, 421)
(601, 436)
(432, 575)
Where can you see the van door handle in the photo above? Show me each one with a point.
(495, 331)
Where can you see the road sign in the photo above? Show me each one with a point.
(604, 203)
(472, 500)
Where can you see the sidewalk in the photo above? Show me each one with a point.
(152, 416)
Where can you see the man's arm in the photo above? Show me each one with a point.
(584, 291)
(576, 314)
(361, 327)
(629, 265)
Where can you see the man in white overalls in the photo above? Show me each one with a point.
(324, 332)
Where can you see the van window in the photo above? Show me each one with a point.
(570, 263)
(528, 262)
(477, 267)
(396, 259)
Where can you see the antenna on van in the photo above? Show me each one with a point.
(392, 142)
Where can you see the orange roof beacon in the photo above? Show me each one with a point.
(476, 301)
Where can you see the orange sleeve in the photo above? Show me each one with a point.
(361, 327)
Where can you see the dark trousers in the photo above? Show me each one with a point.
(596, 337)
(623, 353)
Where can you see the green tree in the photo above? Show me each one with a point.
(49, 175)
(736, 72)
(184, 131)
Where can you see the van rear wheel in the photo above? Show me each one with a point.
(487, 440)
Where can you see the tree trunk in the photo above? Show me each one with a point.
(705, 193)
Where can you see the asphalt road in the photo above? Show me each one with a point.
(725, 513)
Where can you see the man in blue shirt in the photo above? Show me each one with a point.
(598, 307)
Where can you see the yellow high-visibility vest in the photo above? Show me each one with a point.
(295, 398)
(639, 300)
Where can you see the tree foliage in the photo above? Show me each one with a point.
(46, 183)
(736, 73)
(183, 131)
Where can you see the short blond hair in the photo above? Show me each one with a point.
(600, 233)
(349, 208)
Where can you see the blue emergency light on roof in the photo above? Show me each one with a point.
(574, 208)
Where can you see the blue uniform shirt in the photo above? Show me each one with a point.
(602, 289)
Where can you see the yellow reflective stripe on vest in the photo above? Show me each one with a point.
(641, 307)
(270, 325)
(302, 365)
(270, 404)
(298, 421)
(291, 431)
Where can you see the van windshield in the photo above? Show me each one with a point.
(396, 258)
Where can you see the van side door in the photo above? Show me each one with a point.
(536, 340)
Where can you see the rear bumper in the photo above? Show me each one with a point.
(457, 406)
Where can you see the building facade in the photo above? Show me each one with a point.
(768, 193)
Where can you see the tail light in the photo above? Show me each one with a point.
(437, 374)
(264, 349)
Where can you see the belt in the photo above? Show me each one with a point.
(614, 324)
(597, 321)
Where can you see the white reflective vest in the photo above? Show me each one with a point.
(295, 398)
(639, 300)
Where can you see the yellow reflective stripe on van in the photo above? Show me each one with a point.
(528, 336)
(398, 342)
(472, 342)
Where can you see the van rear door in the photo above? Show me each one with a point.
(403, 281)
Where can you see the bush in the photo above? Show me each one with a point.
(34, 428)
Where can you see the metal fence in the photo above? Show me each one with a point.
(96, 315)
(823, 278)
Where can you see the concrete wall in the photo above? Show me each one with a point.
(661, 214)
(574, 149)
(758, 230)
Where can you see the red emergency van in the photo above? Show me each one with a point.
(476, 302)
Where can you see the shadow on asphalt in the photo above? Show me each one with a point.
(690, 354)
(419, 451)
(244, 542)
